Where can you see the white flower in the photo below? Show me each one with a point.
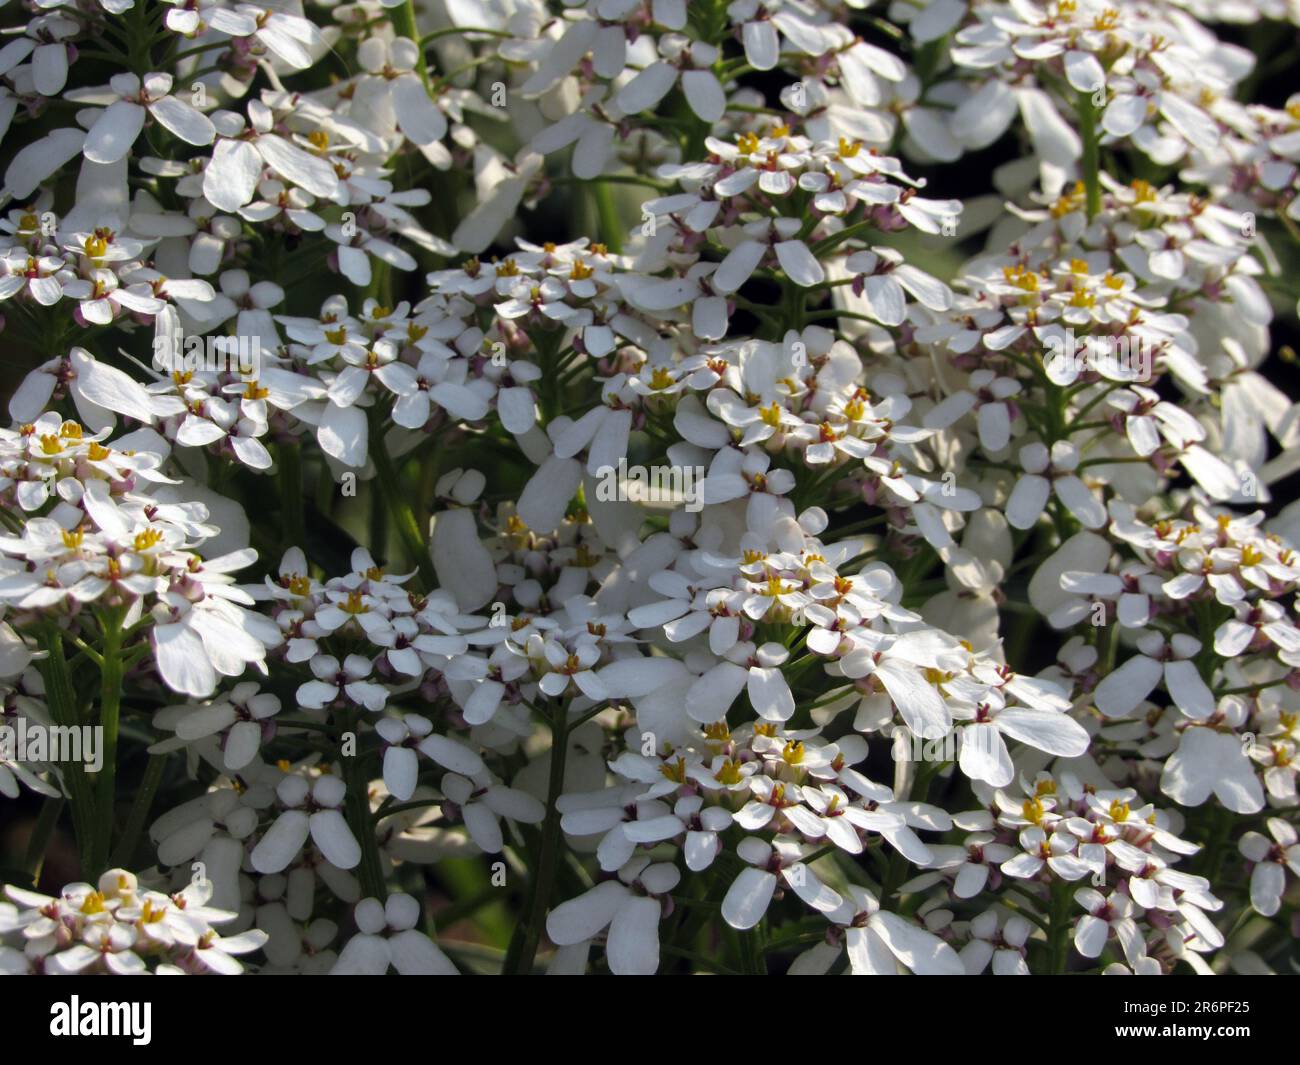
(388, 938)
(133, 100)
(1271, 860)
(629, 907)
(1047, 472)
(879, 942)
(768, 865)
(1211, 762)
(281, 843)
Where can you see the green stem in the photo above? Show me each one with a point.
(61, 698)
(1058, 923)
(448, 31)
(611, 227)
(153, 774)
(357, 804)
(295, 528)
(520, 961)
(389, 484)
(404, 26)
(110, 710)
(46, 822)
(1091, 153)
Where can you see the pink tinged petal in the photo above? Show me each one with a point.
(1044, 730)
(762, 44)
(770, 695)
(363, 955)
(633, 945)
(418, 116)
(483, 827)
(282, 842)
(984, 755)
(451, 755)
(40, 159)
(343, 434)
(1212, 762)
(654, 830)
(1124, 115)
(740, 262)
(415, 954)
(1267, 882)
(546, 496)
(1188, 690)
(312, 173)
(922, 952)
(645, 90)
(187, 123)
(230, 180)
(704, 94)
(748, 897)
(582, 918)
(701, 848)
(114, 131)
(330, 833)
(1120, 692)
(920, 704)
(461, 562)
(994, 426)
(709, 698)
(1090, 936)
(401, 771)
(1027, 501)
(813, 892)
(483, 702)
(868, 953)
(885, 295)
(242, 743)
(1081, 502)
(799, 263)
(110, 388)
(182, 661)
(971, 878)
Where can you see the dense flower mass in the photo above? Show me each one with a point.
(629, 486)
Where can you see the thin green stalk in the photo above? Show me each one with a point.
(110, 710)
(519, 961)
(153, 774)
(290, 474)
(46, 822)
(1091, 161)
(404, 26)
(357, 810)
(1058, 924)
(61, 698)
(611, 226)
(389, 484)
(448, 31)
